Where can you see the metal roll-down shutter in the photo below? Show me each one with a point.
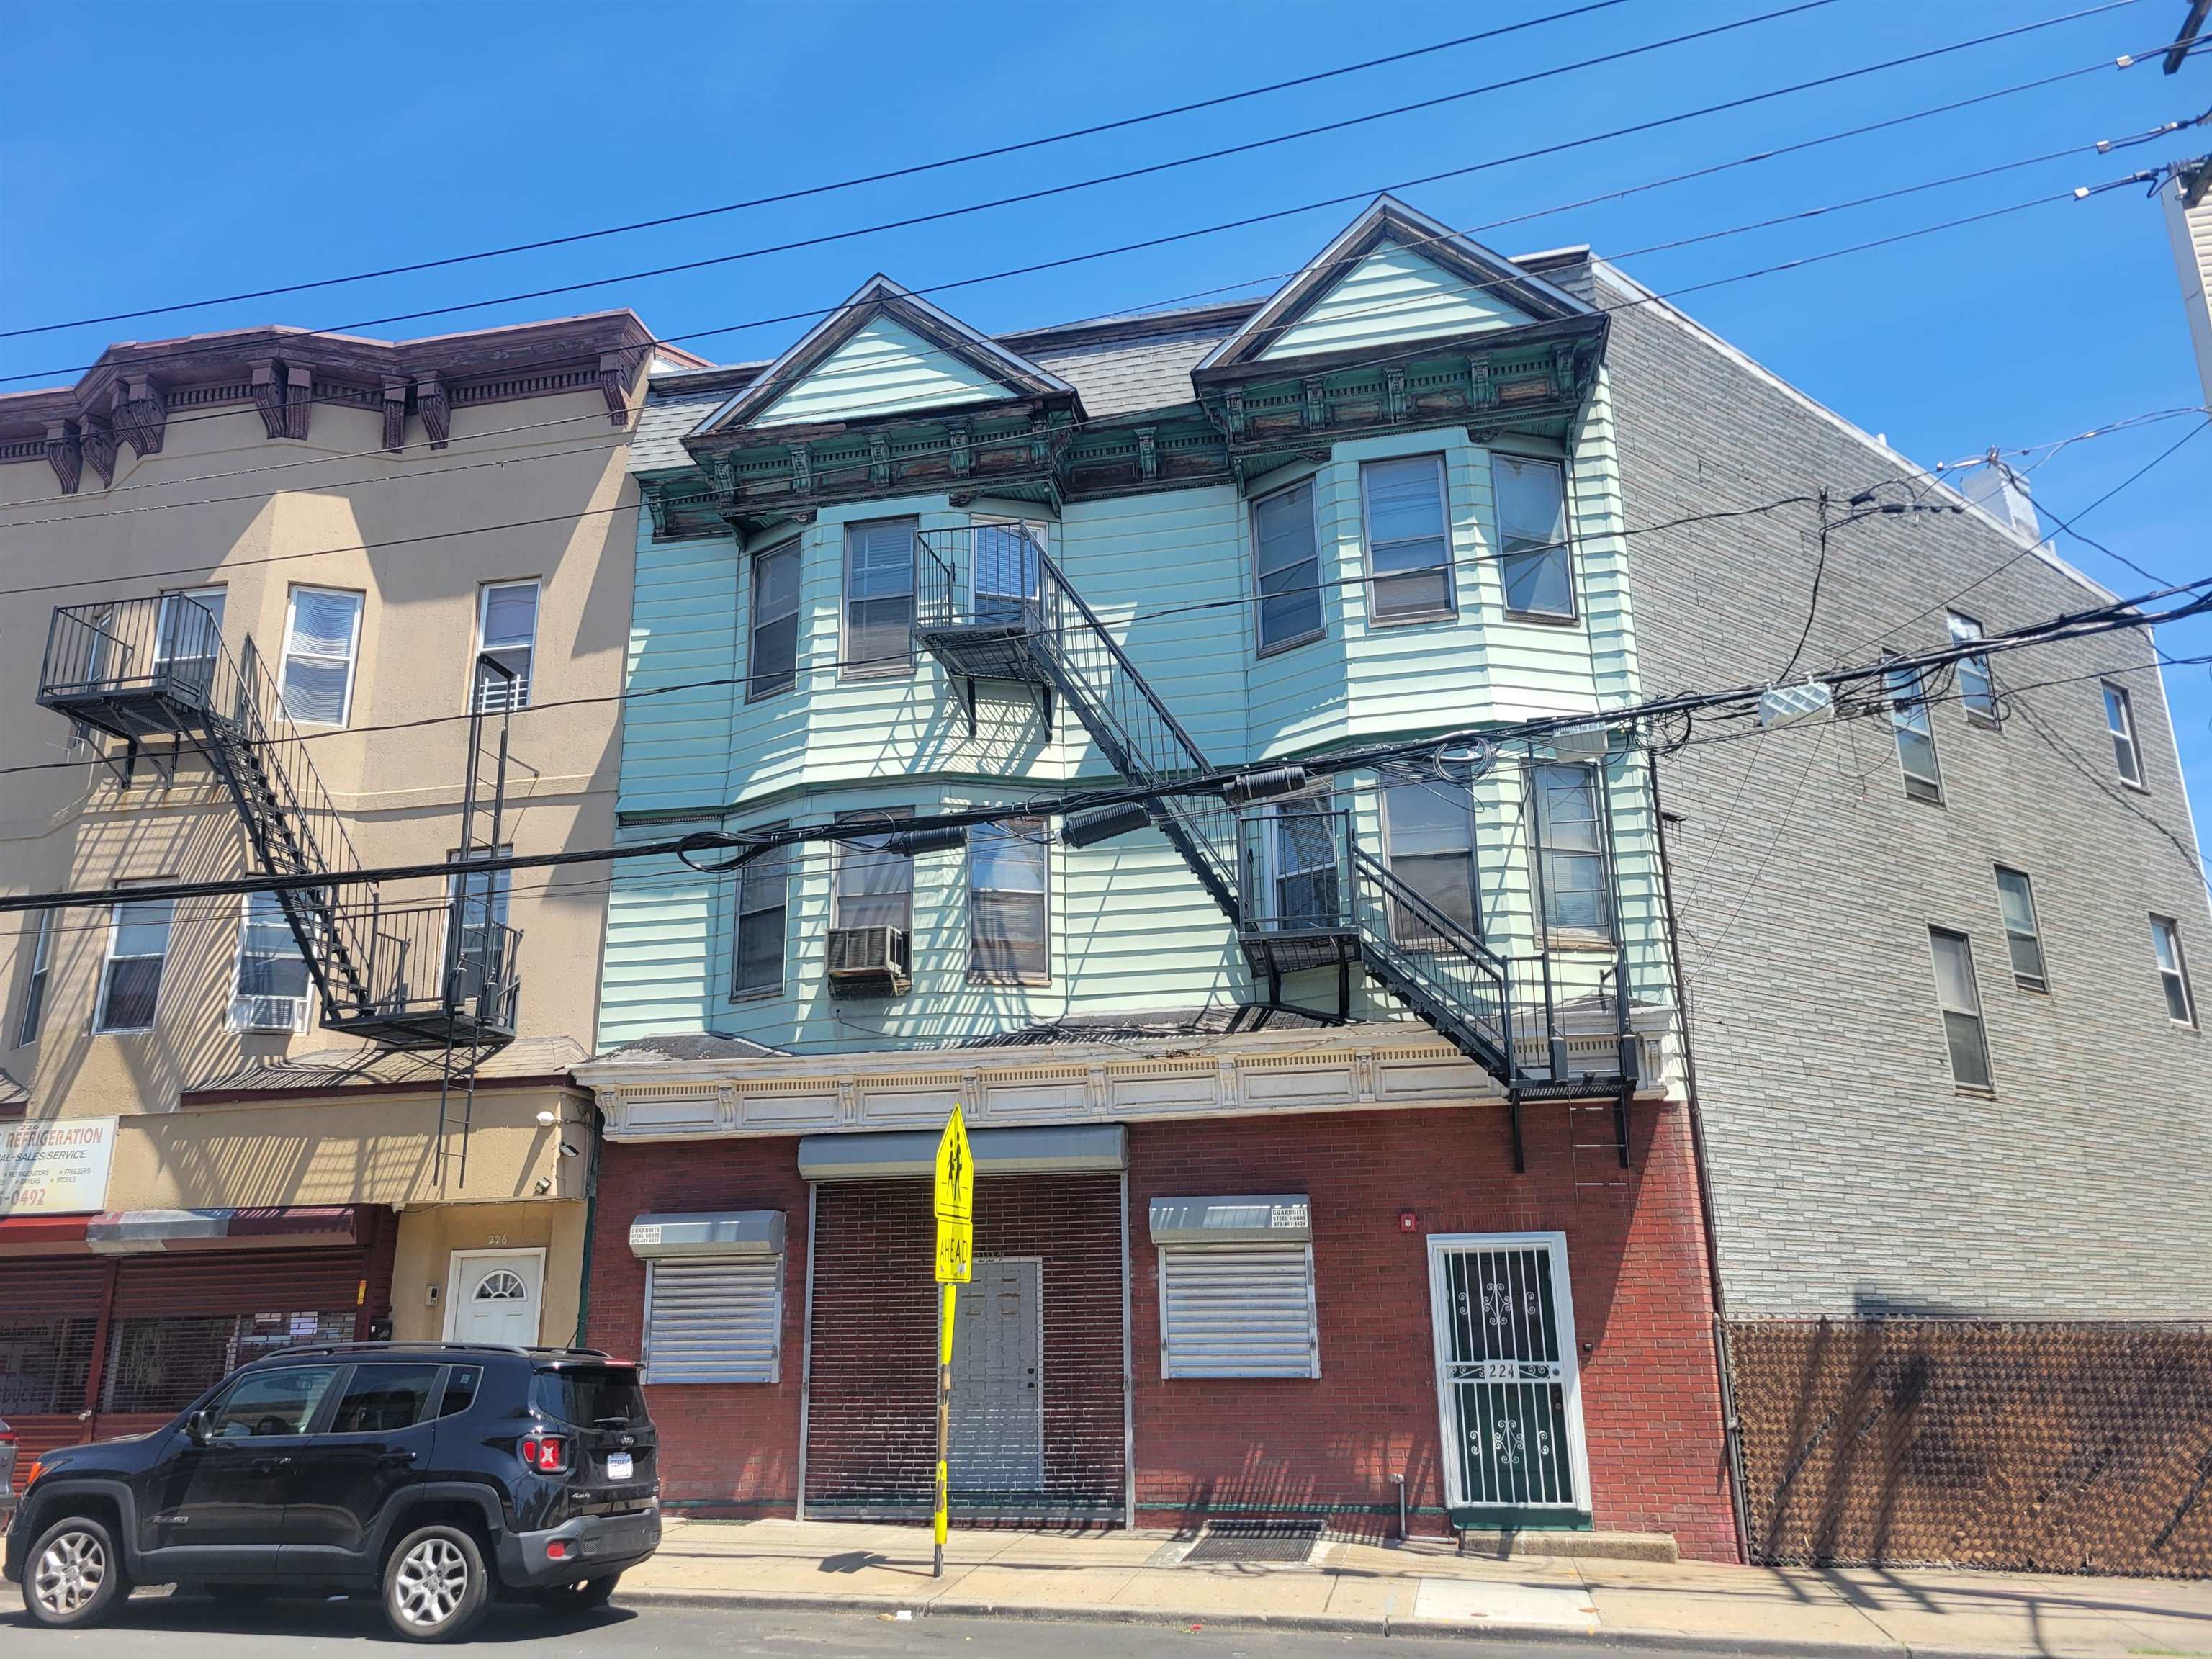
(1236, 1288)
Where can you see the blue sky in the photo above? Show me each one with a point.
(155, 152)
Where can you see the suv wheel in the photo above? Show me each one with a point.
(435, 1584)
(75, 1574)
(581, 1597)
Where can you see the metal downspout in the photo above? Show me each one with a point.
(806, 1355)
(1731, 1428)
(1128, 1378)
(591, 1227)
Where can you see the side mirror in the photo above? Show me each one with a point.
(196, 1428)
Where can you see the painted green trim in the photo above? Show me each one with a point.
(1505, 1518)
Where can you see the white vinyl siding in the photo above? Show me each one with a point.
(1408, 539)
(1916, 735)
(1237, 1310)
(322, 634)
(2023, 934)
(772, 658)
(1286, 570)
(507, 632)
(269, 991)
(2172, 970)
(879, 597)
(713, 1320)
(131, 978)
(41, 929)
(1536, 559)
(1960, 1001)
(1978, 690)
(2120, 721)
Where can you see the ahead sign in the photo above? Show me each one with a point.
(956, 1251)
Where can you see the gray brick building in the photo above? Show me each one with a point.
(1914, 1263)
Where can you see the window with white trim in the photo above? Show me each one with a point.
(1535, 557)
(713, 1320)
(772, 660)
(1286, 568)
(1916, 734)
(507, 632)
(269, 989)
(879, 598)
(1408, 523)
(1578, 896)
(2023, 936)
(41, 954)
(131, 977)
(1236, 1287)
(1960, 1001)
(2172, 970)
(763, 908)
(1977, 687)
(2120, 722)
(1010, 903)
(322, 637)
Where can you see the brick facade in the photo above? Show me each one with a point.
(1651, 1397)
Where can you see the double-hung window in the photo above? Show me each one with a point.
(1431, 830)
(772, 662)
(2023, 936)
(879, 598)
(2120, 721)
(41, 930)
(1009, 902)
(1286, 568)
(2172, 970)
(131, 978)
(1535, 560)
(507, 632)
(763, 905)
(1578, 896)
(873, 886)
(1408, 539)
(1960, 1001)
(270, 992)
(1978, 688)
(1916, 735)
(322, 634)
(480, 899)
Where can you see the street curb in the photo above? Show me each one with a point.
(1330, 1624)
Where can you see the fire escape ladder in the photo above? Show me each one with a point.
(1017, 617)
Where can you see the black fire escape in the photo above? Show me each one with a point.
(1293, 879)
(432, 973)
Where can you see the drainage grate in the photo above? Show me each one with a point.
(1291, 1541)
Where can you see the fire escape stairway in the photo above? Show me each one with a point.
(1433, 966)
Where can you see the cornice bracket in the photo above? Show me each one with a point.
(65, 454)
(1148, 452)
(617, 370)
(802, 470)
(285, 396)
(395, 415)
(141, 414)
(879, 460)
(431, 404)
(98, 439)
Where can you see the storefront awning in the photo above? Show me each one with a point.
(132, 1233)
(757, 1233)
(901, 1154)
(1280, 1218)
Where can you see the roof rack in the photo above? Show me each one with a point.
(432, 1345)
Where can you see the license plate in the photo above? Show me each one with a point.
(619, 1467)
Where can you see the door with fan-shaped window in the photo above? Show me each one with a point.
(496, 1295)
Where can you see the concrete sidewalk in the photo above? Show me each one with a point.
(1424, 1589)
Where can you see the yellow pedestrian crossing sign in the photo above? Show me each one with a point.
(956, 1172)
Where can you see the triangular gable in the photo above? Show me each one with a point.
(1393, 276)
(884, 351)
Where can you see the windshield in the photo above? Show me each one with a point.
(585, 1395)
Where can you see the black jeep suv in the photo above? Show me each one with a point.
(437, 1474)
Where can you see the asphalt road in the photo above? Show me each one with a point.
(201, 1628)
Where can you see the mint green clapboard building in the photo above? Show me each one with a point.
(908, 567)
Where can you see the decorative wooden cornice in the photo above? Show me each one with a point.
(129, 396)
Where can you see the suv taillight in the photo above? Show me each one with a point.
(548, 1453)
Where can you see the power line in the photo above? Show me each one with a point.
(2124, 616)
(804, 192)
(1124, 175)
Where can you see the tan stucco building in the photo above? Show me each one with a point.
(195, 1165)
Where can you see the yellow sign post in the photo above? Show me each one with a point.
(956, 1256)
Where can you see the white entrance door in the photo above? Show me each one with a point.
(494, 1295)
(1507, 1388)
(997, 1429)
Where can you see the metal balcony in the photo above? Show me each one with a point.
(439, 974)
(139, 669)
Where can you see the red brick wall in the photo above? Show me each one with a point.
(725, 1448)
(872, 1424)
(1643, 1314)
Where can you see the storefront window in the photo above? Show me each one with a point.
(43, 1366)
(164, 1362)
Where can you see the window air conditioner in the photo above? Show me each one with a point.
(263, 1013)
(868, 962)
